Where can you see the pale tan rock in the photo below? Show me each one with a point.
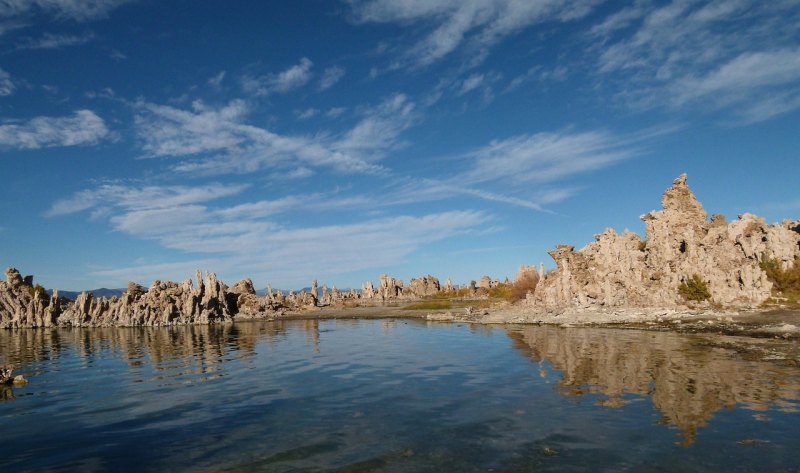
(448, 286)
(423, 287)
(390, 288)
(621, 270)
(485, 282)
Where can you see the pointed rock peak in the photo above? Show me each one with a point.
(679, 199)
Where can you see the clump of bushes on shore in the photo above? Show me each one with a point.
(524, 284)
(694, 289)
(783, 280)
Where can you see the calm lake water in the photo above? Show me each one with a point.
(395, 395)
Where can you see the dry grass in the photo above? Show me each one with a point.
(429, 305)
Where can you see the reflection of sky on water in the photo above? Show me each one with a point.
(392, 395)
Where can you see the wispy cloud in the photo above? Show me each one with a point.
(248, 237)
(529, 170)
(478, 23)
(292, 78)
(80, 10)
(335, 112)
(734, 55)
(545, 157)
(295, 255)
(471, 83)
(219, 140)
(83, 128)
(747, 76)
(129, 198)
(7, 86)
(216, 81)
(307, 113)
(54, 41)
(380, 129)
(330, 77)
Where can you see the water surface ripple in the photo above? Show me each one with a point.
(397, 395)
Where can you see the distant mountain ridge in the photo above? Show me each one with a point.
(101, 292)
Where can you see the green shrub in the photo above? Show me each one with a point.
(783, 280)
(38, 291)
(694, 289)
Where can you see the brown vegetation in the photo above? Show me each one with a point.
(523, 285)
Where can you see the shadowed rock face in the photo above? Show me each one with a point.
(621, 270)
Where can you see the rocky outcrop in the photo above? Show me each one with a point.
(622, 270)
(390, 288)
(424, 286)
(23, 305)
(204, 301)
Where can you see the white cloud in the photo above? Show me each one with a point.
(331, 76)
(540, 74)
(742, 75)
(480, 23)
(218, 140)
(299, 173)
(168, 131)
(7, 86)
(84, 128)
(292, 78)
(247, 237)
(526, 170)
(470, 83)
(80, 10)
(545, 157)
(307, 113)
(734, 55)
(54, 41)
(216, 81)
(335, 112)
(379, 131)
(131, 198)
(297, 254)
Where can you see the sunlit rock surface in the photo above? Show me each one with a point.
(622, 270)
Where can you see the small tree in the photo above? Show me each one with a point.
(694, 289)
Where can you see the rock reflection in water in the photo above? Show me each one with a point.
(182, 350)
(688, 377)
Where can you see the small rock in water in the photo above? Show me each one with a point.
(549, 451)
(20, 380)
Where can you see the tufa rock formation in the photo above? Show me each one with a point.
(203, 301)
(424, 286)
(622, 270)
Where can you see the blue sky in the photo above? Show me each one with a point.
(287, 140)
